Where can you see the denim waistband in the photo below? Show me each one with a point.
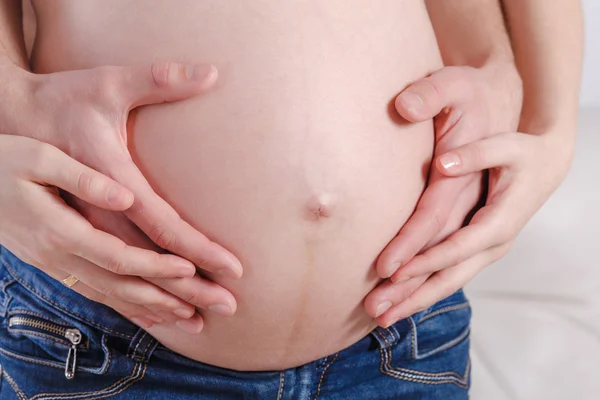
(68, 301)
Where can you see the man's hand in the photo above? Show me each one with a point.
(466, 103)
(84, 113)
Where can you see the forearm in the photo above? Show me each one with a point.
(12, 43)
(547, 38)
(470, 32)
(15, 78)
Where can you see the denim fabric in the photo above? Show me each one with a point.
(425, 356)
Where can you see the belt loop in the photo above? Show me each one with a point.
(142, 346)
(388, 337)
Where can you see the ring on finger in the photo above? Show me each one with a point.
(70, 281)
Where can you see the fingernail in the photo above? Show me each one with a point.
(114, 195)
(221, 309)
(155, 318)
(383, 307)
(200, 73)
(232, 272)
(411, 101)
(141, 323)
(393, 268)
(449, 161)
(192, 327)
(183, 312)
(186, 270)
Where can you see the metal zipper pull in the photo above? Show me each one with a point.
(74, 336)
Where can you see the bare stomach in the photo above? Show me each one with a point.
(294, 162)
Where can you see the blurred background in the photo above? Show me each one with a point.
(536, 313)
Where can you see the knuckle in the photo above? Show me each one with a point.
(106, 82)
(84, 181)
(438, 221)
(117, 265)
(193, 298)
(109, 292)
(475, 155)
(43, 155)
(162, 236)
(431, 88)
(154, 263)
(457, 253)
(160, 73)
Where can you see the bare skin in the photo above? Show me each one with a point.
(280, 163)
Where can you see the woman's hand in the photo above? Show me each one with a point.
(37, 225)
(524, 171)
(84, 113)
(468, 104)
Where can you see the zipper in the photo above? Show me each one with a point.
(71, 336)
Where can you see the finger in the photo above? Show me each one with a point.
(427, 97)
(465, 205)
(441, 285)
(387, 294)
(500, 150)
(53, 167)
(430, 217)
(163, 81)
(114, 255)
(126, 288)
(167, 229)
(191, 325)
(488, 229)
(139, 315)
(70, 232)
(200, 292)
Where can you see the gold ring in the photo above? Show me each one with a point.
(70, 280)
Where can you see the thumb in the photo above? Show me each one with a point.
(427, 97)
(164, 81)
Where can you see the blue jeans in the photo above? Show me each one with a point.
(56, 344)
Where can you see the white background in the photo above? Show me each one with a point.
(590, 90)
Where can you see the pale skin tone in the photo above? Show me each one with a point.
(431, 107)
(525, 166)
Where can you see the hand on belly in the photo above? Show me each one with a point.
(293, 162)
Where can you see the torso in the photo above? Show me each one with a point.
(295, 161)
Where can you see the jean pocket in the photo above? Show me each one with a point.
(432, 346)
(442, 326)
(37, 333)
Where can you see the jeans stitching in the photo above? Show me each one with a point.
(424, 377)
(121, 385)
(14, 385)
(445, 309)
(416, 376)
(32, 360)
(413, 338)
(138, 344)
(22, 282)
(323, 373)
(447, 345)
(281, 385)
(123, 382)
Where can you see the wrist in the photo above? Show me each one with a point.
(17, 93)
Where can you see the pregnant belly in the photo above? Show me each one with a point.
(295, 161)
